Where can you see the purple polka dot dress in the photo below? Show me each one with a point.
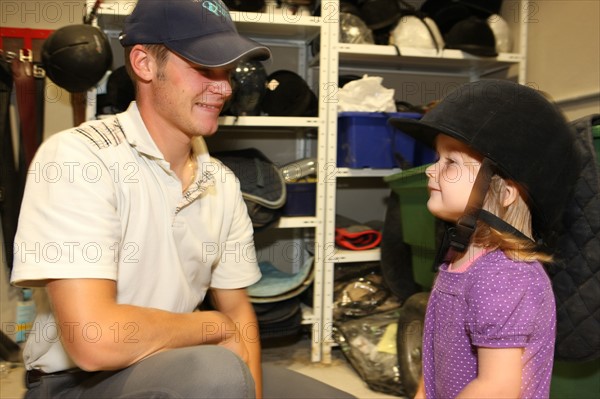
(495, 303)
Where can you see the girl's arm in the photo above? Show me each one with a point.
(499, 374)
(420, 389)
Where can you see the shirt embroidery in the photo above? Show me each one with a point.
(195, 190)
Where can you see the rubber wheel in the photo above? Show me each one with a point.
(409, 340)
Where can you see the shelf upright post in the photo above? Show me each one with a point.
(523, 31)
(329, 86)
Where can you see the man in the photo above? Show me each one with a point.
(138, 222)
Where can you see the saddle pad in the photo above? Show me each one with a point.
(275, 283)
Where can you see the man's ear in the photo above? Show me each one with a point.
(510, 194)
(142, 62)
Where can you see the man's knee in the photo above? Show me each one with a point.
(204, 371)
(211, 371)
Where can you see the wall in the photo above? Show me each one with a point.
(563, 53)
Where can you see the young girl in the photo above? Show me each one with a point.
(506, 164)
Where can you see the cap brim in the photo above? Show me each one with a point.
(219, 50)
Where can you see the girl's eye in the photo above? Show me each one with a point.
(449, 161)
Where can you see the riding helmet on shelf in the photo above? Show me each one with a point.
(354, 30)
(248, 82)
(417, 31)
(446, 13)
(379, 14)
(288, 94)
(502, 34)
(76, 57)
(472, 35)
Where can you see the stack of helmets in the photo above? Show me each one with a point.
(470, 26)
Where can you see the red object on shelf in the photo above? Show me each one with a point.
(25, 42)
(27, 34)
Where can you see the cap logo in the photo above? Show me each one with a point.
(216, 8)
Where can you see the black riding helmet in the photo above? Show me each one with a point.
(76, 57)
(520, 134)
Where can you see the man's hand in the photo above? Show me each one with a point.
(236, 305)
(234, 342)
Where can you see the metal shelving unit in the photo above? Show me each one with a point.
(390, 60)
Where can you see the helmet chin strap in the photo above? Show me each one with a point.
(460, 235)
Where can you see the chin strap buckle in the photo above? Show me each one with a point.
(460, 235)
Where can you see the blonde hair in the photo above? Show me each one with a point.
(518, 215)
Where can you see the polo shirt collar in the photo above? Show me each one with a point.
(136, 133)
(138, 136)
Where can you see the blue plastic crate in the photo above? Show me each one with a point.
(301, 199)
(366, 140)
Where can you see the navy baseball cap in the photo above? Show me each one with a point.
(200, 31)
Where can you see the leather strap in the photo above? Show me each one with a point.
(500, 225)
(458, 237)
(461, 235)
(12, 180)
(78, 103)
(22, 71)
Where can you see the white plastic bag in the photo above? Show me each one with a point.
(366, 95)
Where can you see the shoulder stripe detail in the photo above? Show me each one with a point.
(101, 134)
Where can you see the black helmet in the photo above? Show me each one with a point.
(76, 57)
(288, 94)
(472, 35)
(517, 129)
(248, 82)
(379, 14)
(120, 91)
(446, 13)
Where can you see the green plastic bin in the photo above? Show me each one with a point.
(574, 380)
(418, 225)
(596, 138)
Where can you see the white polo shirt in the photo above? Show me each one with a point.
(102, 202)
